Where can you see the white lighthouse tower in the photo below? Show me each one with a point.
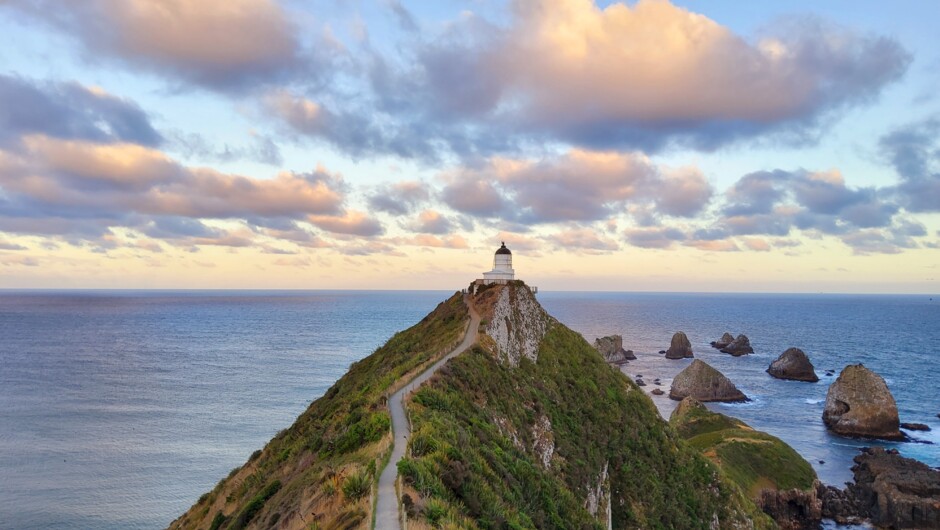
(502, 267)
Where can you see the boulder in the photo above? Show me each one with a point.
(657, 392)
(738, 347)
(725, 340)
(859, 404)
(611, 347)
(704, 383)
(680, 348)
(915, 426)
(892, 491)
(795, 365)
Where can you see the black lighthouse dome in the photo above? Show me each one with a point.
(503, 250)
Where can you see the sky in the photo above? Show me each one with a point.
(393, 144)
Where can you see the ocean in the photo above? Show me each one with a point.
(118, 409)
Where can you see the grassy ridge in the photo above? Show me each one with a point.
(473, 462)
(325, 463)
(754, 460)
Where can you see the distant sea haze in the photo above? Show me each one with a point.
(119, 409)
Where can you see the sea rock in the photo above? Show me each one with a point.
(611, 347)
(795, 365)
(704, 383)
(895, 492)
(725, 340)
(640, 382)
(915, 426)
(680, 348)
(738, 347)
(664, 351)
(657, 392)
(859, 404)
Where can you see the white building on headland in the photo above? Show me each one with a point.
(502, 267)
(502, 272)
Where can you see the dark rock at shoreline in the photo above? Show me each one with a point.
(738, 347)
(611, 348)
(657, 392)
(704, 383)
(680, 348)
(915, 426)
(724, 341)
(664, 351)
(640, 382)
(889, 490)
(793, 364)
(859, 404)
(792, 509)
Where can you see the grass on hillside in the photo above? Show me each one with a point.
(754, 460)
(326, 462)
(472, 457)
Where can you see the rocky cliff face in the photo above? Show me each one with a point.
(515, 321)
(611, 347)
(859, 404)
(889, 491)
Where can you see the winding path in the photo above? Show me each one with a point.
(386, 505)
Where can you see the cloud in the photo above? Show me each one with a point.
(70, 111)
(579, 185)
(583, 240)
(220, 44)
(351, 222)
(660, 237)
(647, 77)
(399, 198)
(914, 151)
(6, 245)
(431, 222)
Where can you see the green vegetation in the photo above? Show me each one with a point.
(754, 460)
(334, 444)
(473, 462)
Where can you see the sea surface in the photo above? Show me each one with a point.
(118, 409)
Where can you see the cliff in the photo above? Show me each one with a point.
(530, 428)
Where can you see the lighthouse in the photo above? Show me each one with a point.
(502, 267)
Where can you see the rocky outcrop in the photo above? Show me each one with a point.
(915, 426)
(543, 441)
(724, 341)
(680, 348)
(894, 491)
(889, 490)
(704, 383)
(738, 347)
(611, 348)
(793, 364)
(859, 404)
(516, 323)
(792, 509)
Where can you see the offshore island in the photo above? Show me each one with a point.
(490, 413)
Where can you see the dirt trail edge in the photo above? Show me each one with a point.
(386, 510)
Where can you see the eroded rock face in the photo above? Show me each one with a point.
(725, 340)
(517, 324)
(704, 383)
(611, 347)
(859, 404)
(543, 441)
(793, 364)
(889, 490)
(739, 346)
(680, 348)
(792, 509)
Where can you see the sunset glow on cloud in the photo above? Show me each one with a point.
(644, 145)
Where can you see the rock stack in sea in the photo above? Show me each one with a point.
(611, 347)
(680, 348)
(739, 346)
(859, 404)
(724, 341)
(795, 365)
(704, 383)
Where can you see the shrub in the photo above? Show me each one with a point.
(356, 485)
